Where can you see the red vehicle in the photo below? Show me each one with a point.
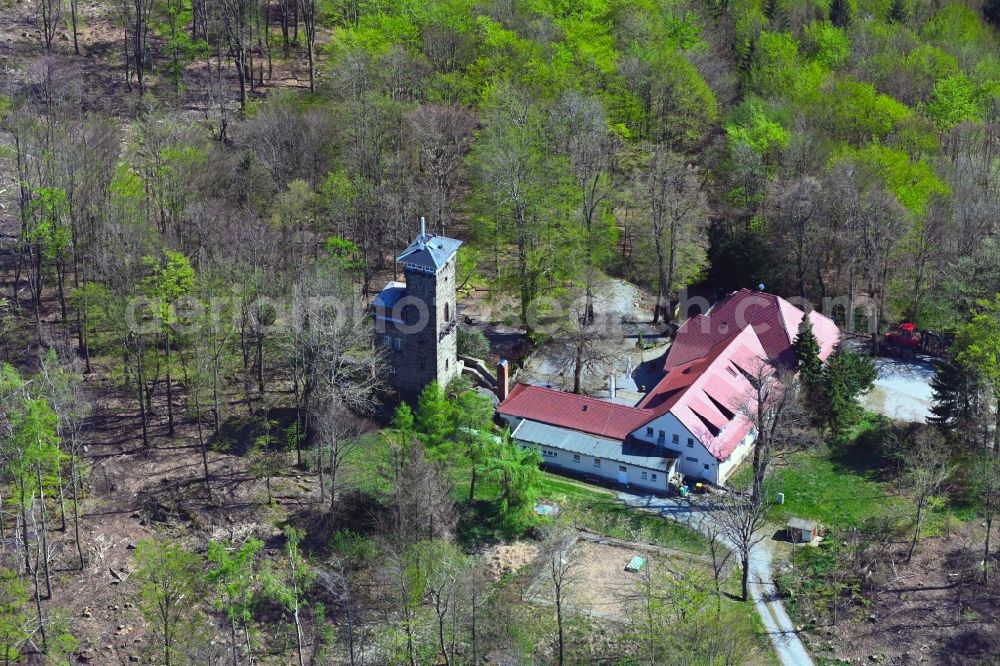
(906, 341)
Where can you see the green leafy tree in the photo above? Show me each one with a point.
(952, 101)
(433, 419)
(170, 585)
(288, 587)
(169, 282)
(977, 344)
(515, 470)
(266, 459)
(16, 619)
(34, 463)
(524, 197)
(472, 414)
(404, 423)
(234, 575)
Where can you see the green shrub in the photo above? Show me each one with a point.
(472, 342)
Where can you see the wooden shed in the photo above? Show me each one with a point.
(800, 530)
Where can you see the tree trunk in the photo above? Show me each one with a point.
(45, 531)
(559, 623)
(746, 576)
(72, 16)
(986, 549)
(74, 488)
(233, 641)
(170, 392)
(578, 368)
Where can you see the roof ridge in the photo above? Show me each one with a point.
(781, 314)
(578, 396)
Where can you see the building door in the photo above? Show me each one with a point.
(623, 475)
(690, 466)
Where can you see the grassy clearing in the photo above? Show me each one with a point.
(598, 510)
(847, 483)
(818, 485)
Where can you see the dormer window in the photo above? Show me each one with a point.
(585, 407)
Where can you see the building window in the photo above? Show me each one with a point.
(675, 438)
(447, 362)
(549, 454)
(386, 340)
(622, 468)
(649, 431)
(690, 443)
(447, 311)
(654, 477)
(397, 343)
(597, 462)
(576, 457)
(692, 459)
(706, 466)
(643, 476)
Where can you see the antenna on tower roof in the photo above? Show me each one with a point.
(422, 238)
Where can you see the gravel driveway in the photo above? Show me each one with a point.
(696, 513)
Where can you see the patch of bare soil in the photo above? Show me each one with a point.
(934, 611)
(597, 583)
(133, 493)
(99, 68)
(504, 559)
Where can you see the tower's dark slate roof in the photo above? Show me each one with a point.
(430, 251)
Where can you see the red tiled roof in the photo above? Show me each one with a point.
(706, 382)
(774, 319)
(576, 412)
(711, 407)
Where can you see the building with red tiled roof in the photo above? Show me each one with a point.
(694, 417)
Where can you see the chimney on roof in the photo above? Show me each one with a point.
(503, 380)
(423, 229)
(612, 388)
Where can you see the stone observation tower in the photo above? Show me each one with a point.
(415, 321)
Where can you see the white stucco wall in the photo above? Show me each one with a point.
(694, 459)
(727, 466)
(607, 469)
(693, 456)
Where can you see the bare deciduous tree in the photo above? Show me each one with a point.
(772, 408)
(927, 467)
(441, 136)
(678, 215)
(742, 521)
(338, 435)
(560, 567)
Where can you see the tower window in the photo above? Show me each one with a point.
(447, 311)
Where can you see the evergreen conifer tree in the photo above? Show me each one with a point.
(841, 13)
(846, 377)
